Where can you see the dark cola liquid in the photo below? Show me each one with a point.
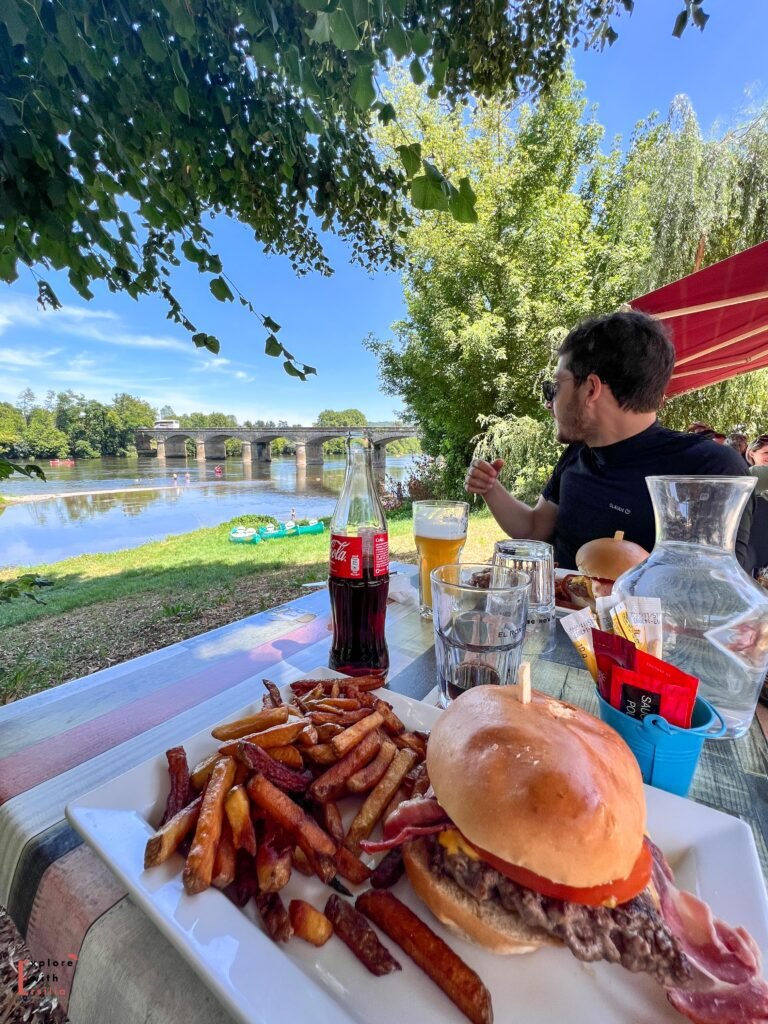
(359, 610)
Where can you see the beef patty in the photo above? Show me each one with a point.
(632, 934)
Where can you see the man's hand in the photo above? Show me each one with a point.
(481, 476)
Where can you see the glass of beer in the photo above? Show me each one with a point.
(440, 531)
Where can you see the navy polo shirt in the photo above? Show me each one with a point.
(600, 490)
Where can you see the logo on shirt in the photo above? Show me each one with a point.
(618, 508)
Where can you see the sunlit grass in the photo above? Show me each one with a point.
(202, 561)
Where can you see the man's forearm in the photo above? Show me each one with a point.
(515, 517)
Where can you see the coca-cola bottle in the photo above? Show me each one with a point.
(359, 571)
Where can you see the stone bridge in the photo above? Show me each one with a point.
(209, 443)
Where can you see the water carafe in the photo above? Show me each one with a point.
(715, 618)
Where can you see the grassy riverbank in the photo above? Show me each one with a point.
(103, 609)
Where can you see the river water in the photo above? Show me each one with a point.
(151, 505)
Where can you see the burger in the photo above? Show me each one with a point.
(599, 563)
(542, 835)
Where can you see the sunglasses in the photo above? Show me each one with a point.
(549, 388)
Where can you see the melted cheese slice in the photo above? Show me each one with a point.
(454, 843)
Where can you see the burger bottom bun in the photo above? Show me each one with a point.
(486, 924)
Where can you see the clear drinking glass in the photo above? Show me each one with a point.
(714, 617)
(440, 532)
(536, 558)
(479, 613)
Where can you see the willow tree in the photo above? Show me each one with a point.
(677, 201)
(124, 126)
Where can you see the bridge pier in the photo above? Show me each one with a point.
(257, 451)
(309, 454)
(144, 444)
(171, 448)
(214, 450)
(379, 459)
(200, 451)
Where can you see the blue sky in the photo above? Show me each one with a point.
(114, 344)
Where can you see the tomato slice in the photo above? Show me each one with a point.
(620, 890)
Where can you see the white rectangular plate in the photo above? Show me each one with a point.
(259, 982)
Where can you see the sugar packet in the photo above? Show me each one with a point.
(578, 626)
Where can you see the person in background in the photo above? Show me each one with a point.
(757, 452)
(610, 381)
(704, 430)
(739, 443)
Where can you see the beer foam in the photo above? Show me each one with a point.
(435, 529)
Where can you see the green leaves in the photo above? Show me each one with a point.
(312, 121)
(260, 108)
(681, 21)
(387, 114)
(462, 203)
(9, 468)
(181, 99)
(153, 43)
(321, 30)
(208, 341)
(10, 15)
(410, 157)
(433, 191)
(220, 290)
(417, 71)
(363, 91)
(420, 43)
(396, 40)
(692, 12)
(427, 193)
(343, 32)
(270, 324)
(273, 346)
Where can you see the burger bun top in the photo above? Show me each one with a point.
(608, 557)
(543, 786)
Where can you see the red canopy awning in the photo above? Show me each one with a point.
(717, 318)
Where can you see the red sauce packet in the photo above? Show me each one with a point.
(655, 688)
(610, 650)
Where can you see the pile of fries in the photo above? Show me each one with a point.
(265, 804)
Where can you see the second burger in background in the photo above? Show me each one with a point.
(600, 562)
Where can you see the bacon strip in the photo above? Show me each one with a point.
(379, 845)
(421, 816)
(727, 987)
(418, 812)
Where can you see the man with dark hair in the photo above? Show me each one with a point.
(610, 380)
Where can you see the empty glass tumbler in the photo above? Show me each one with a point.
(535, 557)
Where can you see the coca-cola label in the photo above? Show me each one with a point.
(347, 556)
(380, 554)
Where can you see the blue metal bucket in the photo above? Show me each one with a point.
(667, 754)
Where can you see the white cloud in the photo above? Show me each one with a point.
(11, 358)
(27, 312)
(102, 326)
(216, 363)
